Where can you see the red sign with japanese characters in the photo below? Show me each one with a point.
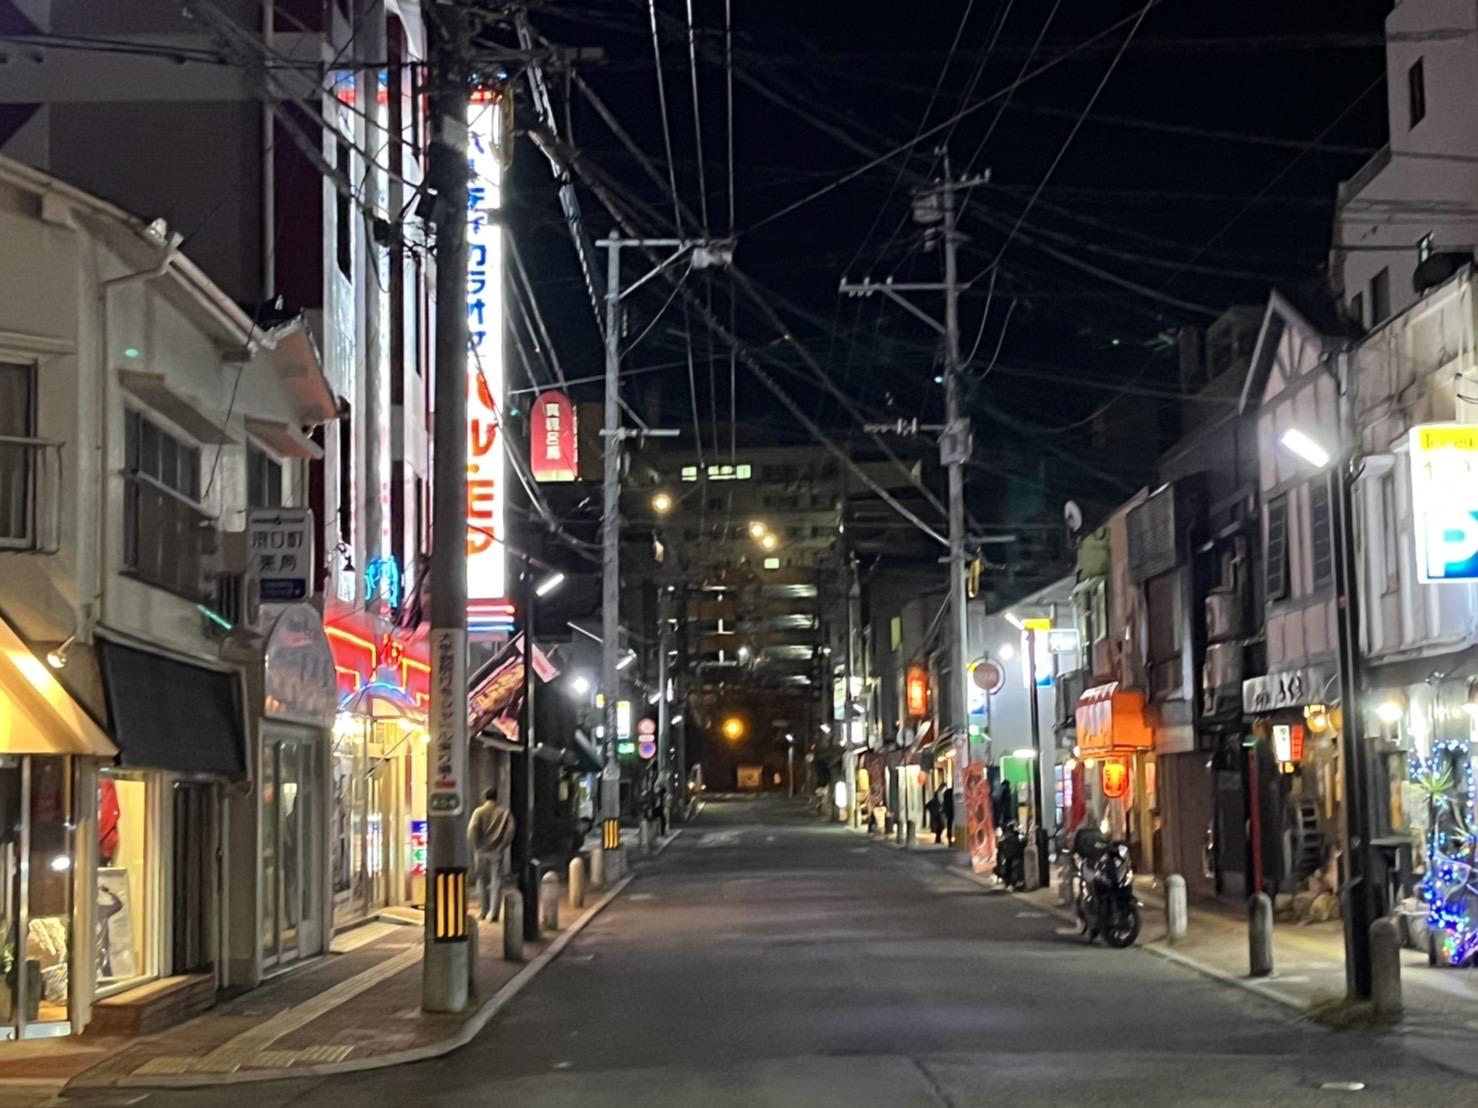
(553, 443)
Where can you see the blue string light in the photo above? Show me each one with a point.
(1448, 888)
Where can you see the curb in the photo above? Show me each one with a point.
(1247, 984)
(466, 1033)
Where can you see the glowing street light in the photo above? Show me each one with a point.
(733, 729)
(1305, 447)
(549, 584)
(757, 530)
(769, 541)
(580, 685)
(662, 503)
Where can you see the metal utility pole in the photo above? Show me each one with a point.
(664, 763)
(521, 785)
(1039, 799)
(444, 967)
(937, 204)
(705, 254)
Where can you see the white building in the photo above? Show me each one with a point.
(143, 414)
(1416, 200)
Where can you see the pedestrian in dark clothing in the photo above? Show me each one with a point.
(947, 810)
(936, 818)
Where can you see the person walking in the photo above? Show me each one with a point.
(947, 810)
(936, 818)
(489, 831)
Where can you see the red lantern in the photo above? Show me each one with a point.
(917, 690)
(1115, 778)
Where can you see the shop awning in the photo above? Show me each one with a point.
(168, 714)
(1111, 721)
(37, 715)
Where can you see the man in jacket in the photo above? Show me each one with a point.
(489, 832)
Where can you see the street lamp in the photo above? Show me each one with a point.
(769, 541)
(1362, 905)
(662, 503)
(580, 685)
(757, 530)
(549, 584)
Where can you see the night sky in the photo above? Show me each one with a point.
(1193, 184)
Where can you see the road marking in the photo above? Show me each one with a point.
(642, 896)
(1031, 915)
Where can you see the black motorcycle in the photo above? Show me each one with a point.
(1105, 901)
(1011, 858)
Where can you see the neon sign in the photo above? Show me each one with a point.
(486, 554)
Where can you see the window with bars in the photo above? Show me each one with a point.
(263, 480)
(1321, 541)
(1277, 559)
(166, 532)
(17, 454)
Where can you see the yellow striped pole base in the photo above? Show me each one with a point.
(448, 908)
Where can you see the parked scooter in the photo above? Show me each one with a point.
(1106, 903)
(1011, 857)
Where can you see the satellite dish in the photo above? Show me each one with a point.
(1074, 516)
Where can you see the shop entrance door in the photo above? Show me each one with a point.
(292, 913)
(193, 877)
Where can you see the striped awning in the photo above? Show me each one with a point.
(1111, 721)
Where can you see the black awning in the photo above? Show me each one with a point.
(167, 714)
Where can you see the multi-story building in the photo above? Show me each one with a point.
(151, 442)
(287, 153)
(1405, 221)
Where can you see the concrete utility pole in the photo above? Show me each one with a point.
(444, 967)
(705, 254)
(937, 205)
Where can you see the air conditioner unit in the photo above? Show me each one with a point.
(1223, 615)
(237, 599)
(1221, 677)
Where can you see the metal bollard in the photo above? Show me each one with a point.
(472, 932)
(1032, 867)
(1175, 909)
(598, 865)
(549, 897)
(898, 831)
(911, 835)
(644, 836)
(577, 882)
(1385, 967)
(1260, 935)
(513, 926)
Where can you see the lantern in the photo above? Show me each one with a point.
(917, 692)
(1115, 778)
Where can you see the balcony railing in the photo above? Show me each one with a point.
(166, 537)
(30, 494)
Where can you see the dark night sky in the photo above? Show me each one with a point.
(1130, 197)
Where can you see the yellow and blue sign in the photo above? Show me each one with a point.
(1444, 501)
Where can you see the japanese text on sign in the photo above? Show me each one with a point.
(280, 553)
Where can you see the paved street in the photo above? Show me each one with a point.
(766, 959)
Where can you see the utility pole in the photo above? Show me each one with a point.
(664, 763)
(937, 205)
(705, 254)
(444, 967)
(521, 785)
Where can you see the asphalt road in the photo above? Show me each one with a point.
(765, 959)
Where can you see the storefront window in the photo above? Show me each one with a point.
(124, 865)
(49, 907)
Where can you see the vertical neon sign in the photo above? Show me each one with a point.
(487, 611)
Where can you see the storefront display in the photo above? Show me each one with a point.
(125, 880)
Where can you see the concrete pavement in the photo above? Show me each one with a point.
(766, 959)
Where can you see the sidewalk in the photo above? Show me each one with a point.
(1308, 961)
(354, 1009)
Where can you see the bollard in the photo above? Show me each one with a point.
(472, 932)
(597, 865)
(898, 831)
(911, 835)
(549, 896)
(1175, 910)
(1260, 935)
(615, 865)
(1032, 867)
(1385, 967)
(644, 836)
(577, 882)
(513, 926)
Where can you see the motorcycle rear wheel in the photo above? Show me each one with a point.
(1123, 929)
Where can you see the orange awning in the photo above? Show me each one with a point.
(1111, 721)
